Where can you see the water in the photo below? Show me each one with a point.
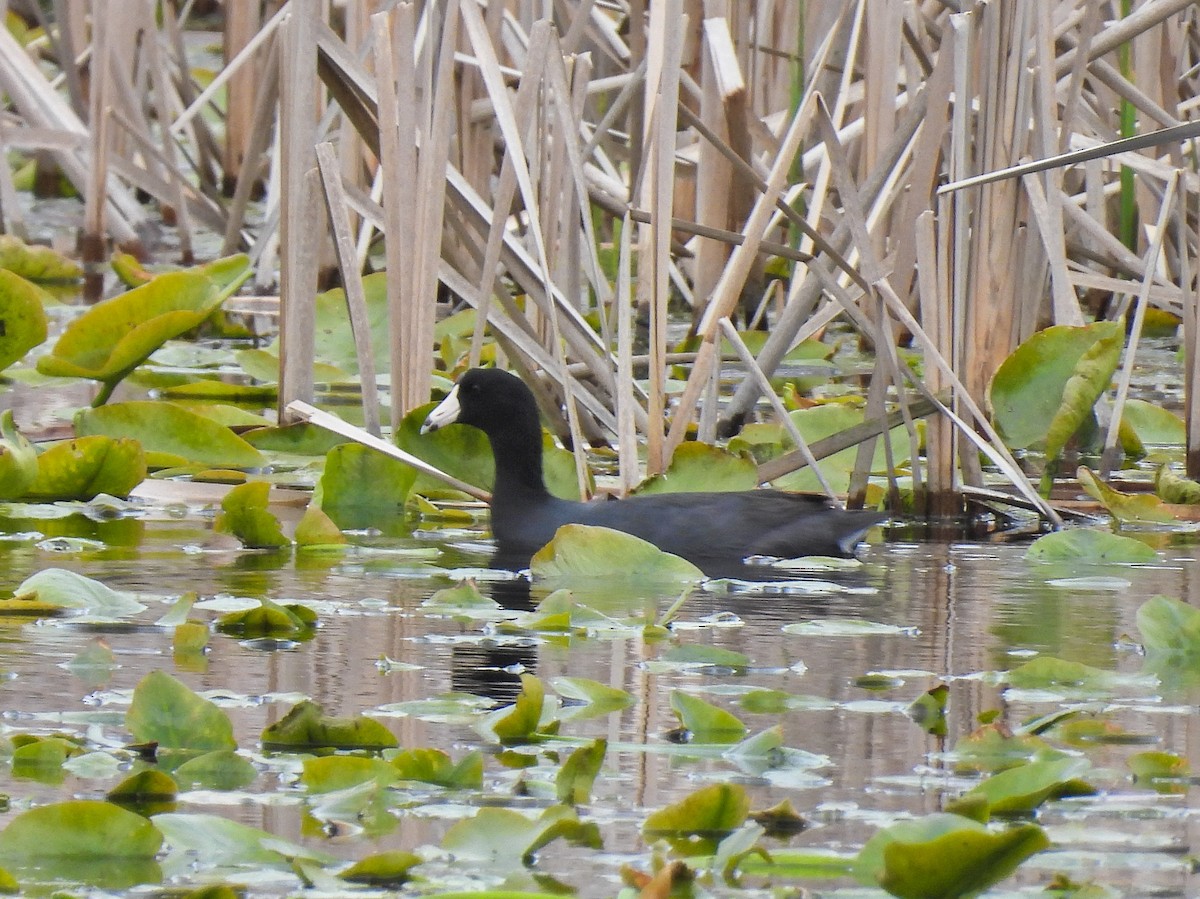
(954, 612)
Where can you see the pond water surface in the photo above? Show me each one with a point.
(942, 613)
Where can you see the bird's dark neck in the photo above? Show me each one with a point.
(518, 454)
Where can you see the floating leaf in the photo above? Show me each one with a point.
(503, 838)
(173, 430)
(1173, 488)
(245, 515)
(1088, 381)
(300, 438)
(698, 467)
(706, 722)
(844, 627)
(1022, 789)
(306, 726)
(1153, 424)
(221, 841)
(929, 710)
(1027, 391)
(114, 337)
(18, 459)
(522, 721)
(944, 856)
(221, 769)
(711, 811)
(1154, 765)
(776, 702)
(70, 590)
(384, 869)
(22, 317)
(316, 529)
(150, 785)
(79, 829)
(573, 785)
(1123, 506)
(166, 712)
(582, 552)
(1049, 673)
(436, 767)
(86, 467)
(362, 488)
(993, 748)
(1089, 545)
(463, 596)
(690, 655)
(1169, 627)
(824, 421)
(330, 773)
(35, 262)
(599, 699)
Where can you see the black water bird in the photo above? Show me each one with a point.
(707, 528)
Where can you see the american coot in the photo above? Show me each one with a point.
(703, 527)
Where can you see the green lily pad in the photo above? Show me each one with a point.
(824, 421)
(330, 773)
(706, 722)
(147, 785)
(300, 438)
(87, 466)
(994, 748)
(363, 488)
(1132, 507)
(434, 766)
(22, 317)
(62, 588)
(504, 838)
(1028, 392)
(224, 414)
(697, 467)
(1049, 673)
(929, 710)
(166, 712)
(1155, 765)
(383, 869)
(691, 655)
(573, 785)
(170, 429)
(582, 552)
(711, 811)
(776, 702)
(598, 698)
(222, 841)
(18, 459)
(334, 338)
(245, 515)
(1174, 488)
(316, 529)
(306, 727)
(1022, 789)
(1089, 545)
(35, 262)
(522, 721)
(1153, 424)
(79, 829)
(114, 337)
(220, 769)
(1169, 627)
(945, 856)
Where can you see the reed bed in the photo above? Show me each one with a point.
(574, 169)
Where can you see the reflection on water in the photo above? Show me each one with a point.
(961, 610)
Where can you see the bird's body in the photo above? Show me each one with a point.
(713, 527)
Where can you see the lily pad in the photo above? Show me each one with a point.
(245, 515)
(1089, 545)
(1174, 488)
(1169, 627)
(1022, 789)
(597, 698)
(699, 467)
(330, 773)
(220, 769)
(945, 856)
(166, 712)
(363, 488)
(826, 420)
(383, 869)
(1132, 507)
(79, 829)
(115, 336)
(35, 262)
(1027, 392)
(22, 317)
(706, 722)
(583, 552)
(306, 727)
(86, 467)
(18, 459)
(173, 430)
(222, 841)
(502, 838)
(436, 767)
(1154, 424)
(316, 529)
(67, 589)
(522, 721)
(711, 811)
(573, 785)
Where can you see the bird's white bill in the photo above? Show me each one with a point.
(445, 413)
